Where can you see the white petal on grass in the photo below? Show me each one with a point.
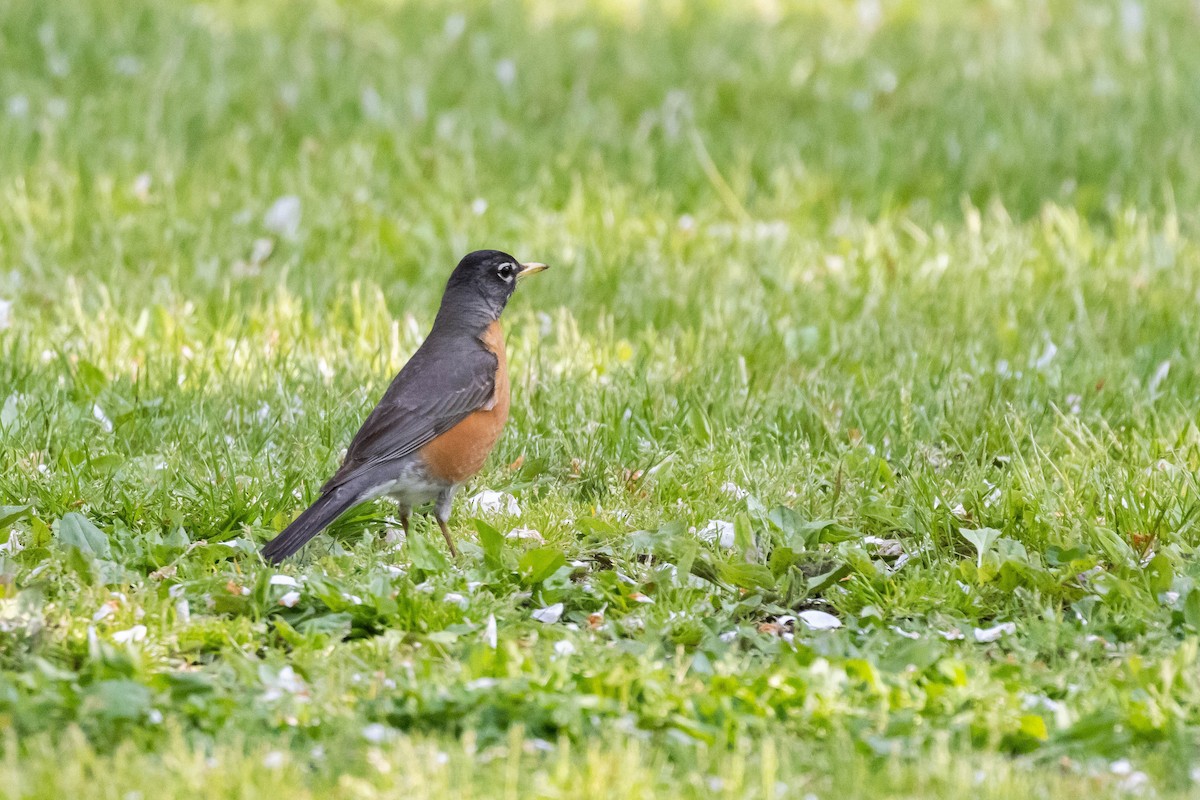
(455, 25)
(283, 217)
(995, 632)
(455, 599)
(135, 634)
(506, 72)
(141, 186)
(733, 490)
(525, 535)
(1047, 357)
(1160, 374)
(479, 206)
(564, 648)
(1133, 17)
(290, 682)
(261, 250)
(106, 610)
(371, 103)
(5, 314)
(819, 620)
(490, 502)
(548, 615)
(283, 580)
(102, 418)
(290, 599)
(375, 733)
(870, 14)
(888, 548)
(489, 631)
(274, 759)
(18, 106)
(1132, 781)
(719, 531)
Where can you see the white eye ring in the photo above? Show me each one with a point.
(506, 271)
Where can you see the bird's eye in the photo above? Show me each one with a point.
(506, 271)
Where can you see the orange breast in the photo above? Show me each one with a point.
(461, 451)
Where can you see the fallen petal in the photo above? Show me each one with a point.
(819, 620)
(134, 634)
(549, 615)
(719, 531)
(995, 632)
(525, 534)
(283, 217)
(490, 502)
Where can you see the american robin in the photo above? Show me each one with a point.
(441, 416)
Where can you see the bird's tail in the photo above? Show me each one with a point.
(311, 521)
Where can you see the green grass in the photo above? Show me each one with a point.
(906, 293)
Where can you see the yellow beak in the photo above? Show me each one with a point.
(530, 268)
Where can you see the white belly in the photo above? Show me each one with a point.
(413, 487)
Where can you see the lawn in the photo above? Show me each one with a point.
(856, 428)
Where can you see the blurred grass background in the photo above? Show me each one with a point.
(904, 268)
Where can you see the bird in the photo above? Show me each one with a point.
(440, 417)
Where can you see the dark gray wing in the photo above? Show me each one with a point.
(433, 392)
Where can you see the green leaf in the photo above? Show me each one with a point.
(598, 526)
(743, 535)
(1116, 548)
(90, 380)
(819, 583)
(336, 626)
(920, 654)
(10, 514)
(782, 559)
(1191, 609)
(425, 555)
(77, 531)
(746, 576)
(1034, 727)
(537, 565)
(117, 699)
(982, 539)
(1161, 573)
(493, 544)
(799, 535)
(1058, 557)
(684, 552)
(41, 534)
(1010, 550)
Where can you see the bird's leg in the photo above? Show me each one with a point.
(441, 512)
(405, 516)
(449, 541)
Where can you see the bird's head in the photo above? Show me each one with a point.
(480, 286)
